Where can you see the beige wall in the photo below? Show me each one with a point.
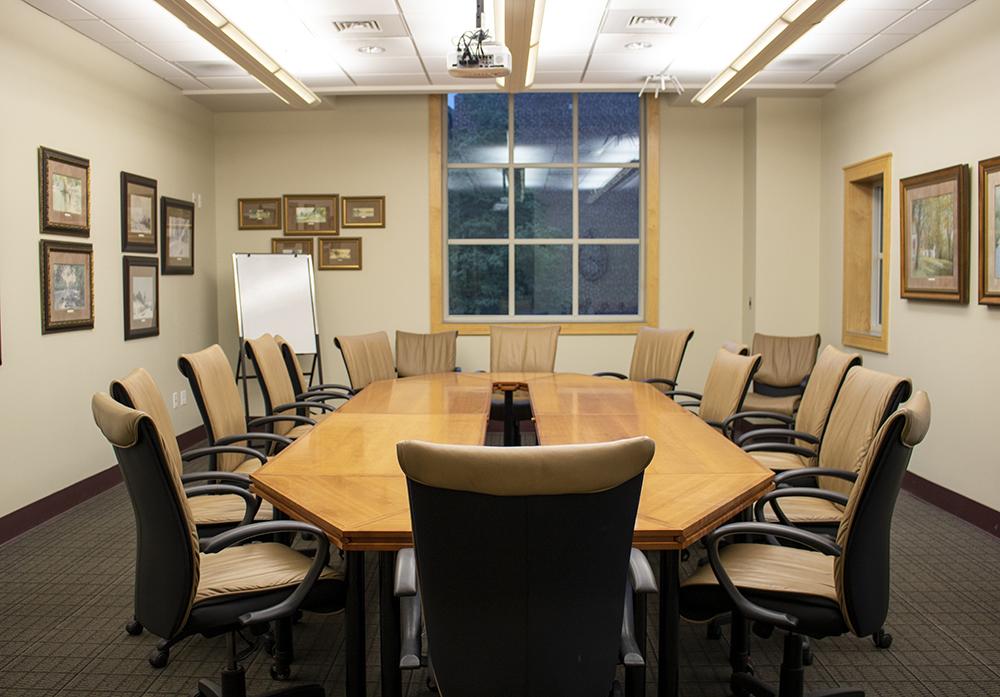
(932, 103)
(378, 145)
(66, 92)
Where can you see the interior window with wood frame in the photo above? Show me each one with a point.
(867, 211)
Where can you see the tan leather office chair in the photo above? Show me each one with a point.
(423, 354)
(725, 388)
(783, 449)
(656, 357)
(786, 363)
(736, 347)
(303, 390)
(184, 586)
(821, 587)
(277, 390)
(367, 357)
(523, 349)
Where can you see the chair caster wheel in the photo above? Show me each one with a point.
(159, 657)
(133, 627)
(882, 639)
(281, 673)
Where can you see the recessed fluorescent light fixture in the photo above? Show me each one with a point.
(536, 33)
(638, 45)
(799, 18)
(213, 26)
(371, 50)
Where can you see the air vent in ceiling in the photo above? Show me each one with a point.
(210, 68)
(359, 26)
(651, 21)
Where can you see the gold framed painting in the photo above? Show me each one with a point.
(292, 245)
(176, 236)
(141, 297)
(339, 254)
(310, 214)
(934, 231)
(67, 270)
(138, 213)
(989, 231)
(259, 213)
(63, 193)
(362, 211)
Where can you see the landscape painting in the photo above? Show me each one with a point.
(177, 236)
(310, 214)
(141, 297)
(138, 202)
(63, 193)
(67, 286)
(339, 253)
(989, 232)
(259, 213)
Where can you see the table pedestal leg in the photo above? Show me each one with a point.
(510, 425)
(670, 624)
(388, 605)
(354, 621)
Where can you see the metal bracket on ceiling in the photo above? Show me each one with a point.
(662, 82)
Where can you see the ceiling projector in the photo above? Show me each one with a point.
(475, 57)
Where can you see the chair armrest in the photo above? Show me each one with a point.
(247, 437)
(802, 472)
(746, 608)
(779, 448)
(275, 418)
(609, 374)
(782, 433)
(195, 453)
(233, 478)
(640, 573)
(806, 492)
(406, 573)
(728, 423)
(303, 405)
(628, 648)
(410, 619)
(321, 396)
(327, 386)
(252, 502)
(288, 606)
(660, 381)
(684, 393)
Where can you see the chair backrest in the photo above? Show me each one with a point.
(522, 556)
(736, 347)
(275, 384)
(367, 357)
(822, 390)
(861, 571)
(138, 391)
(421, 354)
(726, 386)
(658, 354)
(865, 401)
(214, 389)
(523, 349)
(786, 360)
(167, 561)
(292, 365)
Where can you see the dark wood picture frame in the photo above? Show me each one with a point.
(349, 217)
(83, 292)
(246, 222)
(175, 265)
(989, 225)
(322, 262)
(50, 162)
(328, 202)
(931, 288)
(277, 244)
(128, 290)
(133, 241)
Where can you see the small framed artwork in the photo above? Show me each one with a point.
(259, 213)
(63, 193)
(67, 270)
(934, 226)
(339, 253)
(292, 245)
(176, 236)
(141, 295)
(989, 232)
(310, 214)
(362, 211)
(138, 213)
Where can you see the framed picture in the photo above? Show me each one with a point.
(292, 245)
(339, 253)
(310, 214)
(141, 295)
(934, 226)
(63, 193)
(67, 270)
(138, 213)
(259, 213)
(363, 211)
(989, 232)
(176, 236)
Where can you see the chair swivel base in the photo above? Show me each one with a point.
(234, 684)
(791, 684)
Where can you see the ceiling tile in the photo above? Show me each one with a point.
(946, 4)
(782, 77)
(617, 77)
(829, 77)
(391, 80)
(644, 62)
(827, 43)
(63, 10)
(187, 51)
(230, 83)
(570, 26)
(186, 83)
(918, 21)
(878, 46)
(557, 77)
(318, 82)
(380, 65)
(146, 59)
(143, 30)
(661, 44)
(324, 7)
(395, 47)
(446, 79)
(848, 20)
(98, 30)
(562, 63)
(885, 4)
(125, 9)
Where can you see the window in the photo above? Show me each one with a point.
(866, 254)
(542, 214)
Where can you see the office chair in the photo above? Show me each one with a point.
(821, 587)
(725, 388)
(367, 357)
(786, 362)
(797, 442)
(279, 393)
(423, 354)
(301, 386)
(736, 347)
(656, 357)
(523, 558)
(184, 586)
(519, 350)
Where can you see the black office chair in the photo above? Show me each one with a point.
(303, 390)
(523, 559)
(184, 586)
(820, 587)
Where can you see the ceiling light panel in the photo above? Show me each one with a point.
(569, 27)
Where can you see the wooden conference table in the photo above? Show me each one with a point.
(343, 477)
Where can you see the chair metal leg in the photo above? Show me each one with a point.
(389, 625)
(284, 653)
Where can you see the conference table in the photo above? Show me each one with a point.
(343, 477)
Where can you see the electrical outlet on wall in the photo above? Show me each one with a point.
(175, 400)
(184, 397)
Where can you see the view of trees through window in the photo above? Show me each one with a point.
(544, 204)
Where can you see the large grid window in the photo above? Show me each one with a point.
(544, 207)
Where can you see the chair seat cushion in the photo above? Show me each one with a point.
(248, 466)
(762, 402)
(780, 462)
(796, 581)
(224, 509)
(806, 510)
